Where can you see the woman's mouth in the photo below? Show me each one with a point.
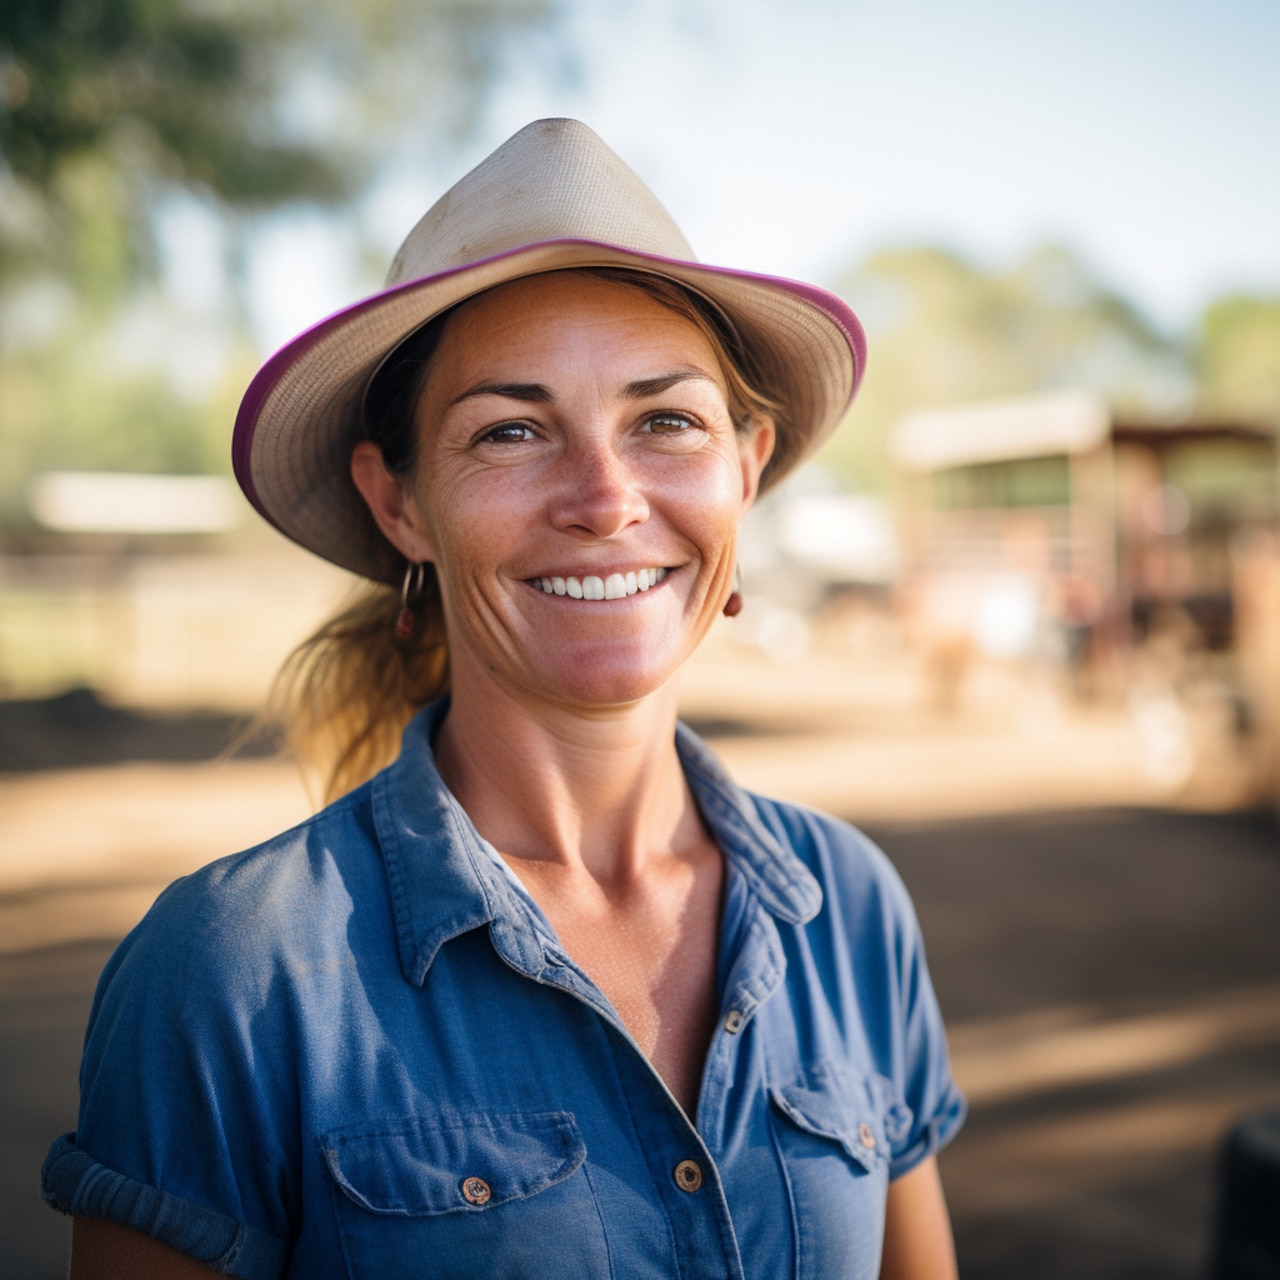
(615, 586)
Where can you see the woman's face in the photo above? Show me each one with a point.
(579, 487)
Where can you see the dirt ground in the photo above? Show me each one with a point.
(1104, 946)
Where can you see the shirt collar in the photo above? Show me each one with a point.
(785, 886)
(445, 879)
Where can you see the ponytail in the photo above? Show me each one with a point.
(345, 694)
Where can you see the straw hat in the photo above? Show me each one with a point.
(552, 197)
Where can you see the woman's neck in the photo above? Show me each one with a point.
(600, 791)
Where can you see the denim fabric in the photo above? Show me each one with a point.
(359, 1050)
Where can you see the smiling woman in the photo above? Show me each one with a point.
(571, 428)
(348, 692)
(542, 992)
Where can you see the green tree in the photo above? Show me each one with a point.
(106, 105)
(943, 329)
(1238, 355)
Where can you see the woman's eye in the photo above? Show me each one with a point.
(507, 433)
(669, 424)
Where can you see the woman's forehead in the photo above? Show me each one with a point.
(559, 315)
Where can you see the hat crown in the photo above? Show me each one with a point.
(554, 180)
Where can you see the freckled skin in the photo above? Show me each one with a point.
(582, 482)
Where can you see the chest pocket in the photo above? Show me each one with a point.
(834, 1130)
(466, 1195)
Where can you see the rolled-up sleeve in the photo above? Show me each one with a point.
(186, 1114)
(936, 1105)
(74, 1182)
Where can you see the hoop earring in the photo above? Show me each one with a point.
(415, 576)
(733, 605)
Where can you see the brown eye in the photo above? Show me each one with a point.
(507, 433)
(669, 424)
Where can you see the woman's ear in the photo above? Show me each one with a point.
(755, 447)
(391, 503)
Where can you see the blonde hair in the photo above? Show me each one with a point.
(346, 693)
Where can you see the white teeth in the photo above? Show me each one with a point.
(617, 586)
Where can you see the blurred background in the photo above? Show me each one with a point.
(1020, 620)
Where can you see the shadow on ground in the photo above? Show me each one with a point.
(77, 729)
(1133, 930)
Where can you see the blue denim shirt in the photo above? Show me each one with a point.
(359, 1050)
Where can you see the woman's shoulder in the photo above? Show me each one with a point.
(848, 865)
(257, 905)
(818, 837)
(201, 1018)
(821, 840)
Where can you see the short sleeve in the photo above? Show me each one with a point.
(185, 1119)
(923, 1076)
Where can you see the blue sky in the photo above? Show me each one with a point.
(796, 136)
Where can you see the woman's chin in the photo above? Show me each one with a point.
(603, 680)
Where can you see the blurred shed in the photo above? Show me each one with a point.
(1104, 527)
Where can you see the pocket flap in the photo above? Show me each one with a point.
(833, 1102)
(444, 1164)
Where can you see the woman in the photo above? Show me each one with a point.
(549, 995)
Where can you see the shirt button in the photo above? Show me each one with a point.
(866, 1137)
(733, 1021)
(688, 1175)
(475, 1190)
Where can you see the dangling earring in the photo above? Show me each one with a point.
(415, 575)
(733, 605)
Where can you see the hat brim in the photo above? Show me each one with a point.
(302, 414)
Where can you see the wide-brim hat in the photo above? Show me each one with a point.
(552, 197)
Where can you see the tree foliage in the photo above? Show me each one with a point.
(944, 329)
(106, 105)
(175, 90)
(1238, 355)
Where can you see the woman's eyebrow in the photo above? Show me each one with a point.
(645, 387)
(529, 392)
(536, 393)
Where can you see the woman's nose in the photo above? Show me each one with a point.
(598, 493)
